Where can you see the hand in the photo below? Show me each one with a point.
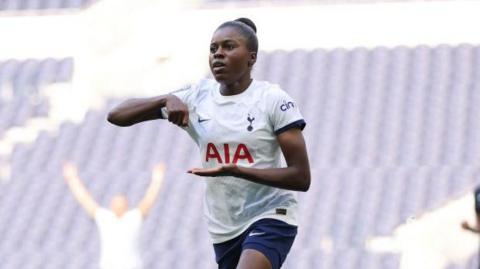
(177, 111)
(69, 171)
(465, 225)
(158, 172)
(223, 170)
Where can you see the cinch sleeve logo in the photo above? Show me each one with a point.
(286, 105)
(241, 153)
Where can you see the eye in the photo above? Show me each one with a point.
(229, 46)
(213, 48)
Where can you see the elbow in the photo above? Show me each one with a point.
(305, 185)
(115, 119)
(305, 181)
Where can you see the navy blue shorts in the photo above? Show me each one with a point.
(273, 238)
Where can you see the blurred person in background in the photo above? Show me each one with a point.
(119, 227)
(476, 227)
(242, 127)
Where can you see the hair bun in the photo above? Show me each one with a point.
(248, 22)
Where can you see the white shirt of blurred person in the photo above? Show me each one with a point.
(119, 227)
(476, 227)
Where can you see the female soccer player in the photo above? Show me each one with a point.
(241, 126)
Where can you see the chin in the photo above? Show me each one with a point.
(221, 78)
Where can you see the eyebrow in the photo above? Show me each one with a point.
(223, 41)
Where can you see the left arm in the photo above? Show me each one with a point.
(296, 176)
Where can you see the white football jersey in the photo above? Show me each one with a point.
(241, 129)
(119, 239)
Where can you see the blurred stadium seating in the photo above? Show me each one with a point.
(391, 132)
(38, 5)
(20, 84)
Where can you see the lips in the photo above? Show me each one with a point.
(218, 64)
(218, 67)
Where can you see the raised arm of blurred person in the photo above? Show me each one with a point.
(153, 189)
(78, 189)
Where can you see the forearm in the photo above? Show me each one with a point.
(78, 190)
(82, 195)
(137, 110)
(152, 192)
(290, 178)
(473, 229)
(148, 200)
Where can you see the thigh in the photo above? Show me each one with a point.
(268, 239)
(253, 259)
(228, 253)
(265, 243)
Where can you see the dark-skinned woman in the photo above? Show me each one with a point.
(242, 127)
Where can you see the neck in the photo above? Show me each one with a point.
(119, 214)
(236, 87)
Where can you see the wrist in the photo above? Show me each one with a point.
(233, 170)
(161, 101)
(168, 98)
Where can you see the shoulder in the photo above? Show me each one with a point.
(206, 86)
(269, 90)
(273, 95)
(202, 87)
(134, 214)
(102, 213)
(191, 93)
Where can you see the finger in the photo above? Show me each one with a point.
(179, 119)
(201, 172)
(185, 119)
(206, 170)
(173, 117)
(196, 173)
(161, 167)
(192, 170)
(67, 165)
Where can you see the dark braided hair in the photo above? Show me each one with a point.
(247, 29)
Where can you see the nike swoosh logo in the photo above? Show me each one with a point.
(202, 120)
(254, 233)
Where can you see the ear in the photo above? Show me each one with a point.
(253, 59)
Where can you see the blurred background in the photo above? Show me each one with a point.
(390, 91)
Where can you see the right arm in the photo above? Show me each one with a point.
(79, 191)
(153, 189)
(138, 110)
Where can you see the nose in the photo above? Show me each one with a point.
(218, 53)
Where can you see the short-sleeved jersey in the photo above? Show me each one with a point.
(241, 129)
(119, 239)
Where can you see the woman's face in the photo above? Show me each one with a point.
(230, 60)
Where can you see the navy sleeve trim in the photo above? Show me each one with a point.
(299, 124)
